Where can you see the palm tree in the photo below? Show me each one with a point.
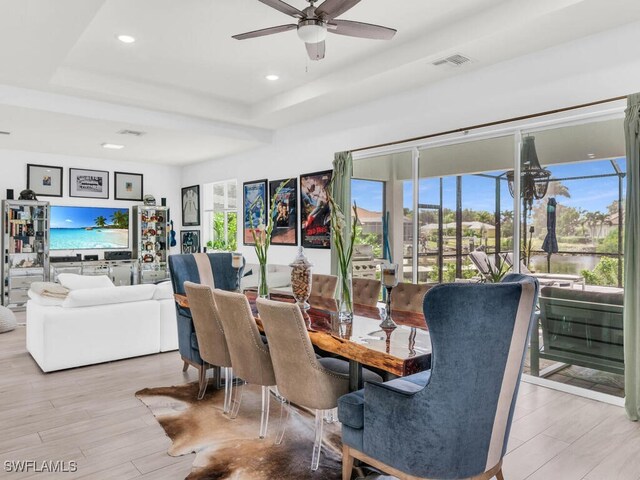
(558, 189)
(120, 219)
(100, 221)
(599, 220)
(485, 217)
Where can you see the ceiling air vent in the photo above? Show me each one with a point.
(4, 133)
(453, 60)
(135, 133)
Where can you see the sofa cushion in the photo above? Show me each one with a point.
(73, 281)
(164, 291)
(108, 295)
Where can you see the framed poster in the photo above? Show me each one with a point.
(128, 186)
(285, 213)
(254, 199)
(191, 206)
(315, 214)
(190, 241)
(88, 183)
(45, 180)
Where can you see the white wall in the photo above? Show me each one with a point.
(596, 67)
(159, 181)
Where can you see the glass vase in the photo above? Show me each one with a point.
(301, 279)
(263, 279)
(345, 297)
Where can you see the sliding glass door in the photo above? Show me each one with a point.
(547, 201)
(572, 222)
(464, 185)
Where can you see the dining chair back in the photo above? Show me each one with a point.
(250, 356)
(302, 378)
(323, 285)
(366, 291)
(408, 297)
(210, 333)
(452, 421)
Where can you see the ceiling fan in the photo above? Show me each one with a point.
(314, 23)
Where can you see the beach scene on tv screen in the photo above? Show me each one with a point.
(86, 228)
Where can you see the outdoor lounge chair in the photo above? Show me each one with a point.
(484, 263)
(547, 279)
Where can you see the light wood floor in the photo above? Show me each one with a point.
(90, 415)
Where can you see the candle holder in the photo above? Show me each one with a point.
(389, 280)
(236, 262)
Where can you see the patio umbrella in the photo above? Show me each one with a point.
(550, 244)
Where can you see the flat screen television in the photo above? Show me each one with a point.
(89, 228)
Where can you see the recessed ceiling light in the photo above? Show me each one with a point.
(272, 77)
(591, 155)
(112, 146)
(126, 38)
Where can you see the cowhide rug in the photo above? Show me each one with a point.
(232, 449)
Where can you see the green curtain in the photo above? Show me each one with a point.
(632, 261)
(342, 173)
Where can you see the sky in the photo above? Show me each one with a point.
(79, 217)
(478, 193)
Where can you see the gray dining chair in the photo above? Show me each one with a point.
(249, 354)
(211, 339)
(303, 379)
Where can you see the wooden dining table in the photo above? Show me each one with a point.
(400, 351)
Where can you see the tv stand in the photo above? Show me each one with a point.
(121, 272)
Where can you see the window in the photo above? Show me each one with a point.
(569, 235)
(222, 231)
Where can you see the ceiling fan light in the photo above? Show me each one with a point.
(312, 31)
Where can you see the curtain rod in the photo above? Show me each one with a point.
(490, 124)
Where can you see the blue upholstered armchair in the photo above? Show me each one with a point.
(205, 268)
(452, 421)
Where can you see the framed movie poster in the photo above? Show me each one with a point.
(129, 186)
(254, 199)
(315, 214)
(191, 206)
(190, 241)
(285, 212)
(44, 180)
(88, 183)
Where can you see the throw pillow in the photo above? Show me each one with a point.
(81, 282)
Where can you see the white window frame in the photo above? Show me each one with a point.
(226, 210)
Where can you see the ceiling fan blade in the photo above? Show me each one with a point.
(315, 50)
(361, 30)
(284, 8)
(331, 9)
(265, 31)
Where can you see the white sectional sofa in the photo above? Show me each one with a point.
(96, 324)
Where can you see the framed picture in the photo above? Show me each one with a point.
(190, 241)
(315, 215)
(45, 180)
(191, 206)
(128, 186)
(285, 213)
(254, 199)
(88, 183)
